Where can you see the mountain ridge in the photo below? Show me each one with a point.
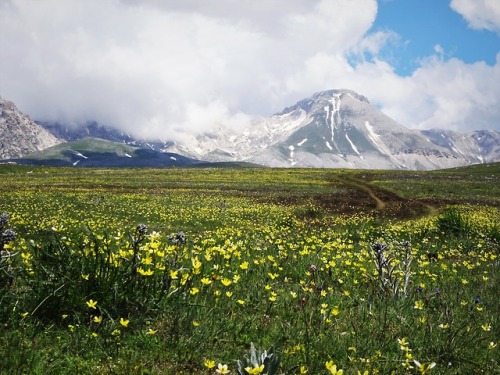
(336, 128)
(340, 129)
(97, 152)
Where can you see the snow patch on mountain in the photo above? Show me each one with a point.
(353, 146)
(79, 154)
(375, 138)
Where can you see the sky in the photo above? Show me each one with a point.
(167, 68)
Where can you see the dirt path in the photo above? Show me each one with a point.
(388, 200)
(368, 189)
(380, 204)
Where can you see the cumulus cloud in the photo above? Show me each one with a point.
(161, 68)
(439, 94)
(480, 14)
(464, 96)
(443, 94)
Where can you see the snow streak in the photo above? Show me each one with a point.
(374, 137)
(352, 145)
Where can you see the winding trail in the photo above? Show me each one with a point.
(383, 197)
(379, 203)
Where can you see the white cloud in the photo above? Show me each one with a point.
(153, 65)
(165, 67)
(480, 14)
(463, 96)
(439, 94)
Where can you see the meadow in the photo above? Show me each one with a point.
(249, 270)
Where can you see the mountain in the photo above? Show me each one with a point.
(342, 129)
(92, 129)
(96, 152)
(476, 147)
(19, 135)
(330, 129)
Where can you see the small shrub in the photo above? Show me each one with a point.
(454, 222)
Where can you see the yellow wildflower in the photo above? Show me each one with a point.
(486, 327)
(124, 322)
(403, 344)
(209, 363)
(424, 368)
(255, 369)
(206, 281)
(419, 305)
(143, 272)
(333, 368)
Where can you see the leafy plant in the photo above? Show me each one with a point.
(453, 221)
(259, 362)
(393, 272)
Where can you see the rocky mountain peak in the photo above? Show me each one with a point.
(324, 98)
(338, 93)
(19, 135)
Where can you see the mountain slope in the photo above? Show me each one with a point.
(19, 135)
(340, 128)
(476, 147)
(95, 152)
(330, 129)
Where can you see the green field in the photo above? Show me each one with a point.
(180, 271)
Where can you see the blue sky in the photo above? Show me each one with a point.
(170, 68)
(423, 25)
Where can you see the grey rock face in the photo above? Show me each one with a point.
(19, 135)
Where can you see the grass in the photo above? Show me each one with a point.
(182, 271)
(92, 145)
